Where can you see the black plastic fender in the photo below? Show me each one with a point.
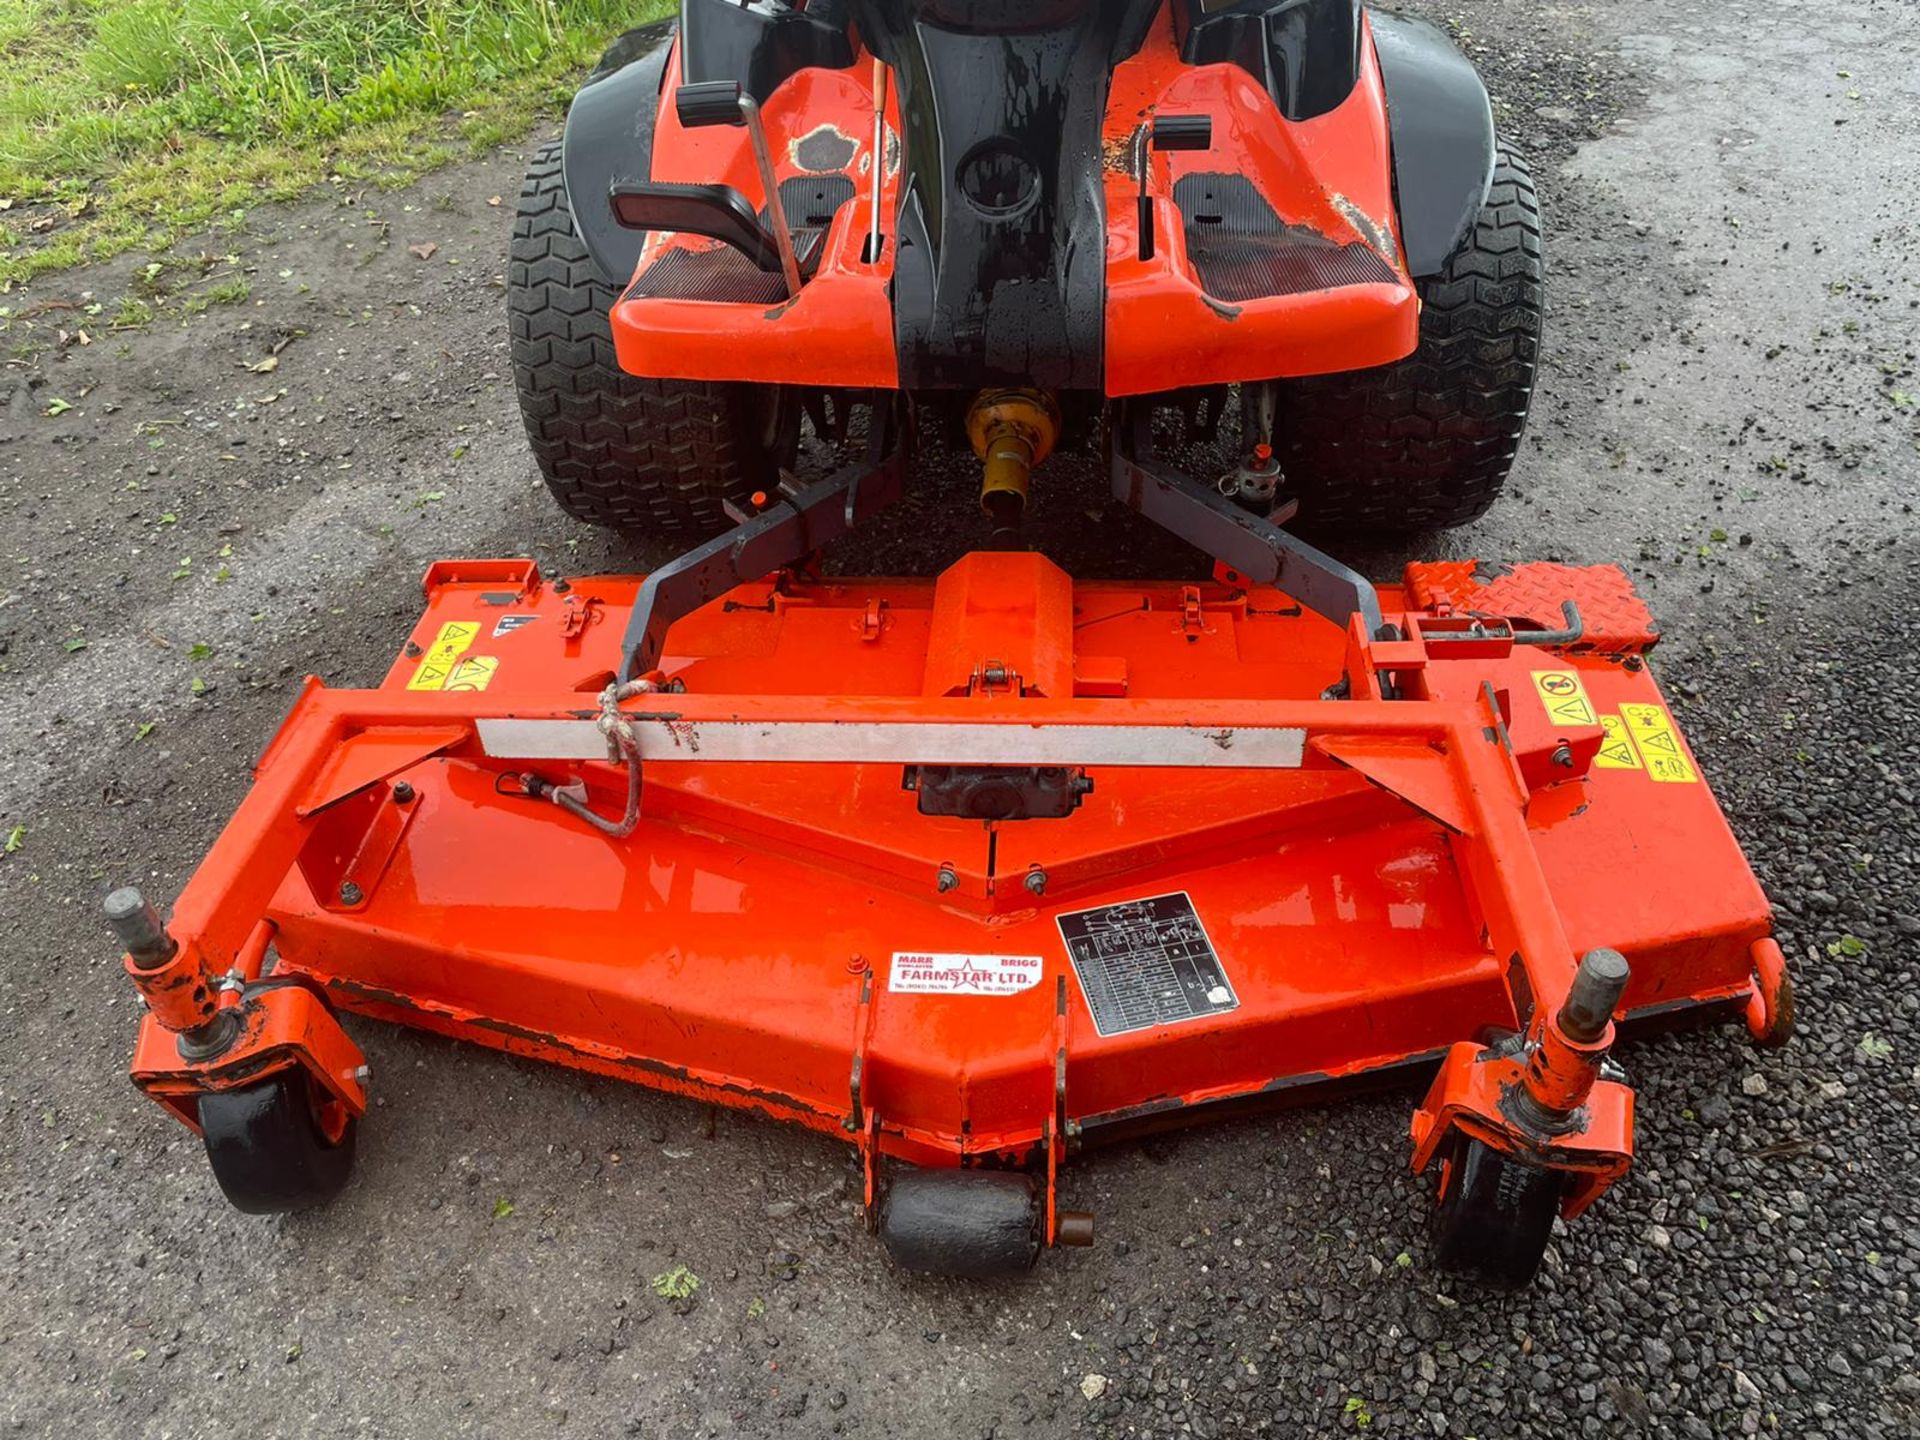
(1441, 127)
(609, 141)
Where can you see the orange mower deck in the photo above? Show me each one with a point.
(1306, 855)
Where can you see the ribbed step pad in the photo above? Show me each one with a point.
(1241, 250)
(724, 274)
(1615, 619)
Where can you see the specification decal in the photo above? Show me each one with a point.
(1145, 963)
(1616, 751)
(1564, 697)
(917, 972)
(444, 655)
(1659, 744)
(507, 624)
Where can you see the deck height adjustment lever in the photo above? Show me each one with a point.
(874, 238)
(724, 102)
(1166, 132)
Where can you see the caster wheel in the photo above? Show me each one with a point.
(284, 1144)
(1494, 1215)
(974, 1223)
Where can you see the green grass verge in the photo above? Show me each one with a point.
(132, 123)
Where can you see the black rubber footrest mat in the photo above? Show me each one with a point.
(724, 274)
(1242, 250)
(1146, 962)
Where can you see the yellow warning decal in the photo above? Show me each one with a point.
(443, 655)
(1564, 697)
(1659, 743)
(1616, 751)
(475, 672)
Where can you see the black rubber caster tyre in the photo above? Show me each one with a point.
(649, 458)
(284, 1144)
(1426, 442)
(1494, 1215)
(978, 1224)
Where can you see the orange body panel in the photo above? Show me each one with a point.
(1387, 897)
(1331, 175)
(839, 332)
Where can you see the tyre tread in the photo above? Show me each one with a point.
(647, 457)
(1426, 443)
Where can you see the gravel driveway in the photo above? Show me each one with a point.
(1735, 314)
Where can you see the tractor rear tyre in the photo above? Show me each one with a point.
(647, 457)
(1494, 1215)
(283, 1144)
(1426, 442)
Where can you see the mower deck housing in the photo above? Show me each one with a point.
(1275, 889)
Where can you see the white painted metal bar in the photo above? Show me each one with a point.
(1242, 747)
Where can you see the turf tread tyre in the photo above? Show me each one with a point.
(268, 1149)
(647, 457)
(1494, 1215)
(1426, 442)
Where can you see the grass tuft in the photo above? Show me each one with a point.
(131, 123)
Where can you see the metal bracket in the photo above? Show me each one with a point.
(1231, 534)
(794, 526)
(856, 1120)
(1059, 1135)
(1466, 1094)
(1478, 630)
(863, 1121)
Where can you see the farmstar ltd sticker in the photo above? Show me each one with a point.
(917, 972)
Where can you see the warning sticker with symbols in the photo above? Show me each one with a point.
(474, 672)
(444, 655)
(1616, 751)
(1564, 697)
(918, 972)
(1659, 744)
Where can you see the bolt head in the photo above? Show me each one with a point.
(351, 894)
(1037, 881)
(402, 793)
(946, 880)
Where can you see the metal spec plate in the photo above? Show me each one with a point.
(1146, 962)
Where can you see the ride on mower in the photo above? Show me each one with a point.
(982, 869)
